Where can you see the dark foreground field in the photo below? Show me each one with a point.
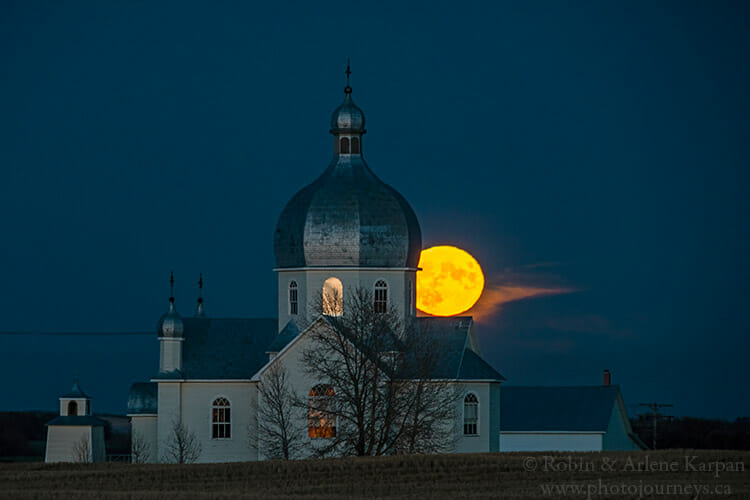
(663, 474)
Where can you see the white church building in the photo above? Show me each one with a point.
(345, 230)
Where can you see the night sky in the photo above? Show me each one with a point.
(598, 149)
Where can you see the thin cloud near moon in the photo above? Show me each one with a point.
(511, 286)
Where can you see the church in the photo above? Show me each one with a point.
(346, 230)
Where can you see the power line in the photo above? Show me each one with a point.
(655, 416)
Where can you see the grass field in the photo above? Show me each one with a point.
(662, 474)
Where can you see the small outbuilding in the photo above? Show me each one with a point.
(584, 418)
(76, 435)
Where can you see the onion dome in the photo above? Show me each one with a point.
(348, 118)
(347, 217)
(170, 324)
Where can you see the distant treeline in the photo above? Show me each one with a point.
(694, 433)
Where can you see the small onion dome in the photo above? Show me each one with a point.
(170, 324)
(348, 118)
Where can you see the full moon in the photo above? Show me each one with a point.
(450, 282)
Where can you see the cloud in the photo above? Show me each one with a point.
(494, 296)
(526, 282)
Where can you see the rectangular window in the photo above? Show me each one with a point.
(221, 426)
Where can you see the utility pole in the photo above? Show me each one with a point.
(655, 416)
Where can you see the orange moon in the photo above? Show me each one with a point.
(450, 282)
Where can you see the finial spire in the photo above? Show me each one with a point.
(348, 89)
(171, 286)
(199, 310)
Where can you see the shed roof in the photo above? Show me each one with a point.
(77, 420)
(582, 409)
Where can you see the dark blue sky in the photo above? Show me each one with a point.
(597, 145)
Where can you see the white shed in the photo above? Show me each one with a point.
(76, 435)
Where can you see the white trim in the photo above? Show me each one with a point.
(132, 415)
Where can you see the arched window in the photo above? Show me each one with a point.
(333, 297)
(345, 145)
(221, 419)
(471, 415)
(381, 296)
(355, 145)
(293, 297)
(72, 408)
(321, 422)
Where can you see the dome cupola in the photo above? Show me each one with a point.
(347, 217)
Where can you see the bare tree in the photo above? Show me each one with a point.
(382, 398)
(140, 449)
(278, 428)
(182, 445)
(82, 450)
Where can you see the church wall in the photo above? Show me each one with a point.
(170, 404)
(488, 425)
(197, 401)
(550, 441)
(145, 426)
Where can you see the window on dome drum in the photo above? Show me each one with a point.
(355, 145)
(321, 423)
(293, 298)
(471, 414)
(72, 408)
(88, 407)
(381, 296)
(333, 297)
(345, 145)
(221, 425)
(408, 296)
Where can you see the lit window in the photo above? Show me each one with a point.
(221, 426)
(333, 297)
(293, 297)
(381, 296)
(72, 408)
(345, 145)
(355, 145)
(321, 423)
(471, 414)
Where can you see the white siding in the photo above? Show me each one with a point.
(488, 425)
(550, 441)
(62, 441)
(145, 426)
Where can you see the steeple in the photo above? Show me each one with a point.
(170, 324)
(348, 123)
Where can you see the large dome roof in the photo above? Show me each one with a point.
(347, 217)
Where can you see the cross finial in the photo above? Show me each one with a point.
(348, 89)
(200, 286)
(171, 286)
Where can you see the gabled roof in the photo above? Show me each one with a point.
(218, 348)
(453, 337)
(143, 398)
(283, 337)
(473, 367)
(76, 392)
(77, 420)
(571, 409)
